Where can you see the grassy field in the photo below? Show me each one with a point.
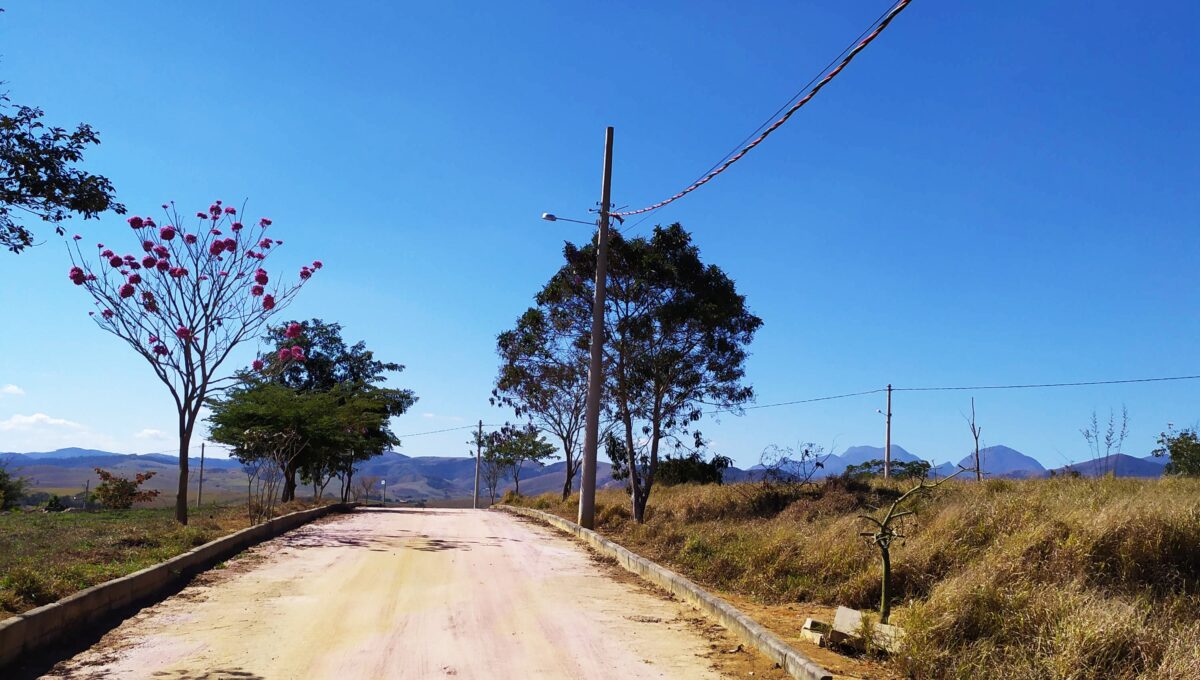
(46, 556)
(1055, 578)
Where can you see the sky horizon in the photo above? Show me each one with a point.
(989, 195)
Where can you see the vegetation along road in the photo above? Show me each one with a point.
(406, 593)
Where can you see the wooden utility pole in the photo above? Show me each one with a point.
(887, 443)
(478, 455)
(591, 437)
(200, 484)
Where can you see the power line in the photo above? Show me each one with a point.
(1039, 385)
(798, 401)
(882, 24)
(448, 429)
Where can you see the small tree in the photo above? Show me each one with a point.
(38, 177)
(976, 430)
(493, 464)
(517, 446)
(787, 465)
(886, 532)
(187, 303)
(12, 488)
(119, 493)
(1183, 449)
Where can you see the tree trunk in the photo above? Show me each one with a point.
(185, 441)
(289, 483)
(570, 471)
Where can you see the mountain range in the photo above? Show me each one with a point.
(432, 477)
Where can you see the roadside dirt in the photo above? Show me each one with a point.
(417, 594)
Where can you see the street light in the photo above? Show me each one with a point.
(551, 217)
(382, 493)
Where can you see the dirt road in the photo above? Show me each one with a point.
(407, 594)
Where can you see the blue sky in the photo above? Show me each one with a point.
(992, 193)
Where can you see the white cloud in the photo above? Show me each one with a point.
(20, 423)
(12, 391)
(151, 434)
(437, 416)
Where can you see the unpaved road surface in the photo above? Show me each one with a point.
(408, 594)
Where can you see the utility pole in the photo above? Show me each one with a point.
(200, 484)
(887, 446)
(478, 455)
(591, 437)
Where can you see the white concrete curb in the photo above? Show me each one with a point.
(748, 630)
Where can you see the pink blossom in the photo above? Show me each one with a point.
(161, 251)
(107, 314)
(214, 231)
(77, 276)
(230, 245)
(230, 210)
(305, 272)
(164, 206)
(236, 226)
(167, 233)
(149, 261)
(147, 246)
(150, 222)
(153, 339)
(202, 215)
(256, 290)
(268, 302)
(162, 265)
(223, 273)
(279, 243)
(116, 262)
(285, 354)
(125, 291)
(215, 210)
(189, 239)
(91, 277)
(184, 333)
(257, 365)
(264, 222)
(216, 248)
(178, 272)
(135, 222)
(76, 237)
(265, 243)
(260, 277)
(135, 266)
(135, 279)
(298, 353)
(204, 277)
(293, 330)
(106, 253)
(317, 264)
(160, 350)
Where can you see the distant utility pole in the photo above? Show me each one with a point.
(591, 437)
(200, 484)
(887, 445)
(478, 455)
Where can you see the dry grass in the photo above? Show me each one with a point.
(47, 556)
(1056, 578)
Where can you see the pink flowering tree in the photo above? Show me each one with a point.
(184, 299)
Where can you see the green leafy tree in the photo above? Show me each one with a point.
(493, 463)
(676, 336)
(692, 469)
(515, 446)
(12, 488)
(38, 177)
(543, 377)
(356, 375)
(1183, 449)
(916, 469)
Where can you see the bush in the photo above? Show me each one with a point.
(12, 489)
(691, 469)
(118, 493)
(55, 504)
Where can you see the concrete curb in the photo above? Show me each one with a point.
(40, 628)
(746, 629)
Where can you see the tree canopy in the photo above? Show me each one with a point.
(676, 336)
(38, 178)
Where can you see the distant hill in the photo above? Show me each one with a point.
(1120, 465)
(1001, 461)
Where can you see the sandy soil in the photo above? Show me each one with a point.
(414, 594)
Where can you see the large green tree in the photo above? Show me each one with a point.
(543, 377)
(516, 446)
(676, 333)
(1182, 447)
(38, 177)
(351, 372)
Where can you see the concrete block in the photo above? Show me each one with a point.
(12, 639)
(815, 637)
